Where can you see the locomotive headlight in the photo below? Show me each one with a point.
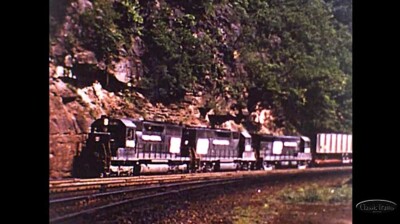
(105, 121)
(247, 148)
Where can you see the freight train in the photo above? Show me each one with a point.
(131, 147)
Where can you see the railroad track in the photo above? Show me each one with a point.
(77, 187)
(131, 191)
(73, 208)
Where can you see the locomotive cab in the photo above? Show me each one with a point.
(304, 155)
(247, 152)
(106, 139)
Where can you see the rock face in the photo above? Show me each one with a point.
(265, 119)
(69, 122)
(71, 113)
(72, 110)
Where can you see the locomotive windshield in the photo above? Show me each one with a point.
(130, 134)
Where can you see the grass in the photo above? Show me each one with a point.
(249, 214)
(315, 193)
(266, 207)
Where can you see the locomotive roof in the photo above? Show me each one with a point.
(208, 129)
(128, 122)
(245, 134)
(305, 138)
(158, 123)
(266, 136)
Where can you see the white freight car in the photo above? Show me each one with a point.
(333, 148)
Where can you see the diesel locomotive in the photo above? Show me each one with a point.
(127, 146)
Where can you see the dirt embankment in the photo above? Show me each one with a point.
(324, 199)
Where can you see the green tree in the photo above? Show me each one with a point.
(299, 63)
(175, 58)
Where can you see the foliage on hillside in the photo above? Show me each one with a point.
(293, 56)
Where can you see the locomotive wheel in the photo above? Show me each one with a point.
(136, 170)
(251, 166)
(269, 166)
(238, 167)
(301, 166)
(215, 167)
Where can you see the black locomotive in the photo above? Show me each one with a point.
(130, 147)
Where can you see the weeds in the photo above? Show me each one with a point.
(315, 193)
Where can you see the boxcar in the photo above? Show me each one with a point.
(333, 148)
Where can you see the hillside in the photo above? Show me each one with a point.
(285, 65)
